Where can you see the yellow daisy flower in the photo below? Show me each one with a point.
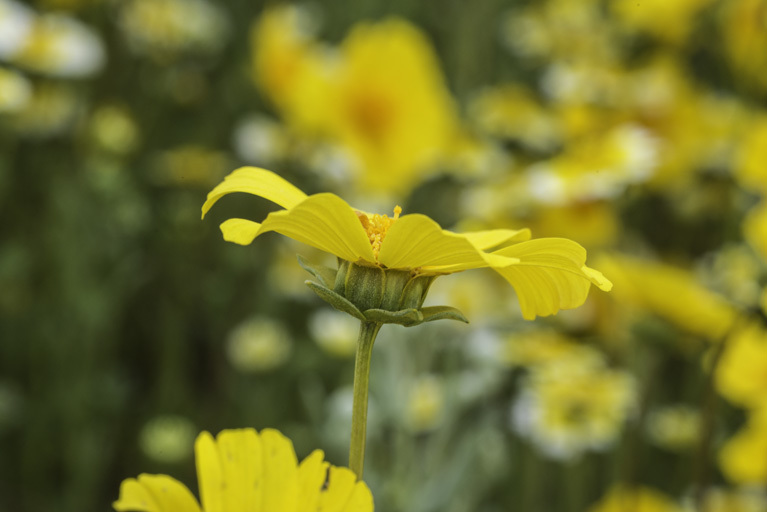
(246, 470)
(407, 252)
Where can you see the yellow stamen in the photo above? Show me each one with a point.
(376, 227)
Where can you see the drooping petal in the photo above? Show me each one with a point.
(550, 275)
(259, 182)
(324, 221)
(280, 481)
(417, 241)
(311, 478)
(155, 493)
(230, 471)
(488, 239)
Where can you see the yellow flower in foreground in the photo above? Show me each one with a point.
(242, 470)
(548, 274)
(643, 499)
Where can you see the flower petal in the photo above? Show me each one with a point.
(259, 182)
(155, 493)
(230, 470)
(311, 478)
(417, 241)
(488, 239)
(361, 499)
(324, 221)
(341, 484)
(551, 275)
(280, 478)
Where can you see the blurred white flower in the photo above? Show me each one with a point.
(164, 28)
(335, 332)
(167, 438)
(258, 345)
(259, 140)
(61, 46)
(425, 403)
(568, 407)
(675, 427)
(16, 20)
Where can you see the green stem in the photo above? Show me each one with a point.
(368, 332)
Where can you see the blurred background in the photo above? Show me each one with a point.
(637, 128)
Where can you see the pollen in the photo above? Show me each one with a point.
(376, 227)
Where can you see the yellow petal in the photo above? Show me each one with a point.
(550, 275)
(485, 240)
(341, 484)
(259, 182)
(240, 231)
(417, 241)
(361, 499)
(230, 471)
(155, 493)
(280, 478)
(324, 221)
(311, 478)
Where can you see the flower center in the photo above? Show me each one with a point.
(376, 227)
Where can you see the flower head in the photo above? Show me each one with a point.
(246, 470)
(548, 274)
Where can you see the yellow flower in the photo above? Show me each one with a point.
(755, 226)
(741, 375)
(245, 470)
(641, 499)
(741, 458)
(671, 293)
(573, 405)
(548, 274)
(391, 107)
(290, 67)
(670, 22)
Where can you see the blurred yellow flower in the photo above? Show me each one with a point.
(755, 227)
(245, 470)
(751, 155)
(742, 457)
(548, 274)
(596, 166)
(113, 128)
(190, 165)
(670, 22)
(675, 427)
(744, 38)
(540, 347)
(573, 405)
(390, 107)
(671, 293)
(741, 375)
(380, 95)
(15, 91)
(290, 67)
(734, 500)
(334, 332)
(640, 499)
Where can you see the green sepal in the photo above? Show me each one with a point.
(415, 291)
(336, 300)
(364, 286)
(406, 317)
(325, 275)
(432, 313)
